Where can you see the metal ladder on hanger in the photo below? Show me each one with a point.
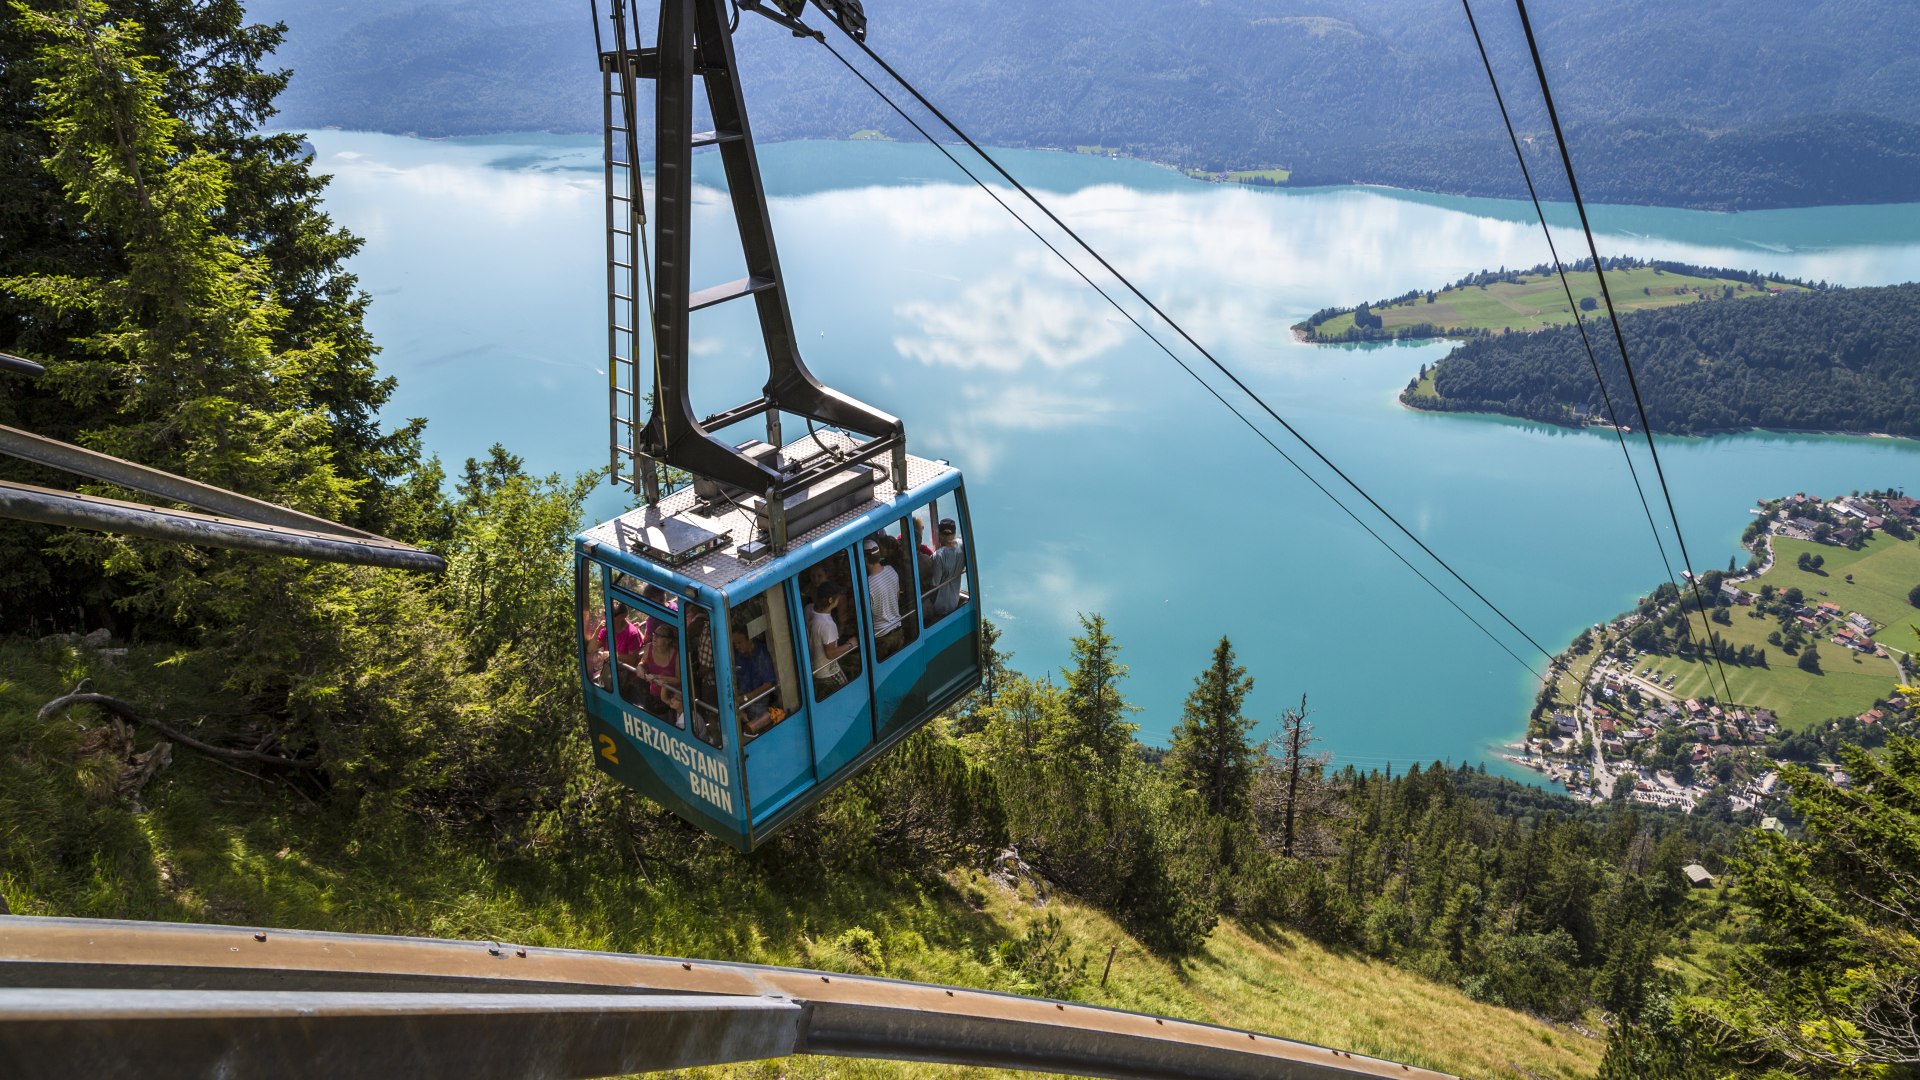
(695, 52)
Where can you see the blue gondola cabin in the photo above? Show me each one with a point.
(735, 686)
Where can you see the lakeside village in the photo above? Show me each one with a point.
(1628, 710)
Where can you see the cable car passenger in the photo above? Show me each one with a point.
(753, 681)
(706, 687)
(949, 562)
(823, 636)
(659, 672)
(883, 596)
(628, 639)
(593, 631)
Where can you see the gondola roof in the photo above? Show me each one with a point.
(684, 523)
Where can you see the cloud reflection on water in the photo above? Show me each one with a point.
(1100, 478)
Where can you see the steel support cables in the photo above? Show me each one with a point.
(1573, 306)
(1171, 355)
(1620, 340)
(1189, 339)
(125, 999)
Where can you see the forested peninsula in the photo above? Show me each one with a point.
(1503, 301)
(1825, 360)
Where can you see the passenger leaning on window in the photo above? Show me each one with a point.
(823, 636)
(599, 665)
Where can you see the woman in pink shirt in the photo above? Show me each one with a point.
(660, 667)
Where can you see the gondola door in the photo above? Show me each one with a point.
(837, 662)
(767, 701)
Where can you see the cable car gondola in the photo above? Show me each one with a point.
(774, 615)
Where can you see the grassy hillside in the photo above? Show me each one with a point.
(1884, 571)
(199, 841)
(1536, 301)
(1848, 683)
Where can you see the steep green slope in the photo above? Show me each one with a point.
(201, 842)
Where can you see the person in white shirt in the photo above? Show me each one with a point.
(823, 637)
(883, 593)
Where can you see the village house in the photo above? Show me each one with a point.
(1697, 876)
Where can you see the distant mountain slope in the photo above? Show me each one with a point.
(1834, 360)
(1815, 104)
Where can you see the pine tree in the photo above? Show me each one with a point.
(1097, 724)
(972, 712)
(1824, 983)
(176, 271)
(1211, 752)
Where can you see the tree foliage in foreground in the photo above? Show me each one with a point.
(1828, 981)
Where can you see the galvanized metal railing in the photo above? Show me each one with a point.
(125, 999)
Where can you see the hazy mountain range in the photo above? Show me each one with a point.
(1709, 103)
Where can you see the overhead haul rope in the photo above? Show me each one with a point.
(1620, 339)
(1129, 316)
(882, 95)
(1201, 349)
(1572, 306)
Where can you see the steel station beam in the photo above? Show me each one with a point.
(67, 457)
(48, 506)
(113, 999)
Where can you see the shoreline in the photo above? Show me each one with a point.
(1706, 434)
(303, 128)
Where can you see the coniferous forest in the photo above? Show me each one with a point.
(1830, 360)
(173, 268)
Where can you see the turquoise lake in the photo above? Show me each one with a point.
(1100, 476)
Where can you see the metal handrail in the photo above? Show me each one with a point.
(125, 999)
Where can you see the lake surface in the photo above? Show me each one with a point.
(1100, 476)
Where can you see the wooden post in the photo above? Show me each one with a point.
(1111, 949)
